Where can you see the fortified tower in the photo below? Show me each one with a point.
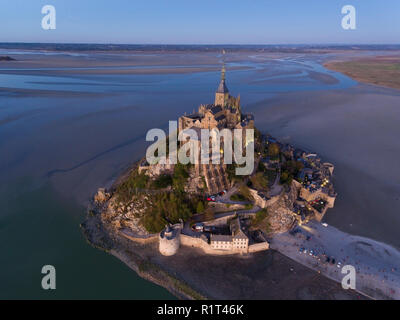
(169, 240)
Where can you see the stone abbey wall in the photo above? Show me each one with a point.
(194, 242)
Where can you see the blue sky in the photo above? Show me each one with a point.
(201, 21)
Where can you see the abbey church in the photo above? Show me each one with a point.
(225, 113)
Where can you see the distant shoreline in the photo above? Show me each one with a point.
(115, 47)
(379, 71)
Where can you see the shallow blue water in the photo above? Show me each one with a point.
(292, 71)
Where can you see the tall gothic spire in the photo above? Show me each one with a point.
(222, 88)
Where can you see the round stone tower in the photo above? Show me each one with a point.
(169, 241)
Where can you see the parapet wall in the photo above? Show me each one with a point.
(258, 247)
(311, 196)
(142, 240)
(262, 203)
(219, 221)
(197, 242)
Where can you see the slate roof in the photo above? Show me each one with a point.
(220, 237)
(193, 116)
(215, 109)
(222, 88)
(237, 231)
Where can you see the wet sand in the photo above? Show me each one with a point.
(376, 265)
(116, 64)
(265, 275)
(193, 274)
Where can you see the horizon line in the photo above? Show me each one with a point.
(205, 44)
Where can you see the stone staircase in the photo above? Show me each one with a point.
(216, 177)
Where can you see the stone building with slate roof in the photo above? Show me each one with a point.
(236, 242)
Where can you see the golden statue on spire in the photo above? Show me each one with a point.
(223, 65)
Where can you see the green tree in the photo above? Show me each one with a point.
(134, 182)
(200, 207)
(162, 181)
(179, 178)
(165, 207)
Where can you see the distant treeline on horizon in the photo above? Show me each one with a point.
(202, 48)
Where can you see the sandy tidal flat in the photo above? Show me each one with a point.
(381, 70)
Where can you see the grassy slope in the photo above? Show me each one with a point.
(382, 71)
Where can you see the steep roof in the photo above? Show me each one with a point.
(220, 237)
(195, 115)
(222, 88)
(237, 232)
(215, 109)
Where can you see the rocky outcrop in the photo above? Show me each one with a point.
(101, 196)
(280, 213)
(126, 215)
(281, 217)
